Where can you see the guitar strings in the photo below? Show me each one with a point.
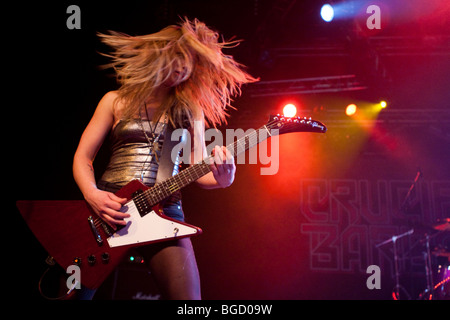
(150, 197)
(164, 189)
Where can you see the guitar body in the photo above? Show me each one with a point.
(74, 235)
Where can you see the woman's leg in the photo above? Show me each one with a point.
(174, 269)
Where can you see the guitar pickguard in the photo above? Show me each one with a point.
(154, 226)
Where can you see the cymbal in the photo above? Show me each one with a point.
(441, 252)
(442, 225)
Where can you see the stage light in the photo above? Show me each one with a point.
(383, 104)
(289, 110)
(327, 12)
(351, 109)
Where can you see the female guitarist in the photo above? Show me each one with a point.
(178, 75)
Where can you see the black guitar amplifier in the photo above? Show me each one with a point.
(130, 281)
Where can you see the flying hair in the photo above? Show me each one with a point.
(205, 87)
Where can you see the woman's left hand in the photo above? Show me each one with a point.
(222, 166)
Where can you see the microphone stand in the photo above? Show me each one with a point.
(404, 204)
(428, 270)
(394, 239)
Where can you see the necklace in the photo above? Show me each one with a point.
(153, 142)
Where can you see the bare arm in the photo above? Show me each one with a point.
(105, 204)
(223, 168)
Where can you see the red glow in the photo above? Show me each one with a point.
(351, 109)
(289, 110)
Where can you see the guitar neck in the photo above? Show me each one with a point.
(166, 188)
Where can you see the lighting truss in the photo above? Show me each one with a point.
(306, 86)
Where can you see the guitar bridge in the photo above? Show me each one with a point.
(97, 236)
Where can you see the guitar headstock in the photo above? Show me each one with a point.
(295, 124)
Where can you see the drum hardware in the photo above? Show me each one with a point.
(394, 239)
(426, 233)
(429, 291)
(442, 225)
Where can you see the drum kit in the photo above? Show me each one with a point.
(437, 274)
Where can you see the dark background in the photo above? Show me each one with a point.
(259, 241)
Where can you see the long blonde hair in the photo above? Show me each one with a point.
(211, 78)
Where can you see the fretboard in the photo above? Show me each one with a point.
(164, 189)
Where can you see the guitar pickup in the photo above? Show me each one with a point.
(97, 236)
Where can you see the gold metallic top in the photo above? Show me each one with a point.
(131, 158)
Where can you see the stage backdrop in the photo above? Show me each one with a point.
(310, 231)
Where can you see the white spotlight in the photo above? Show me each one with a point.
(327, 12)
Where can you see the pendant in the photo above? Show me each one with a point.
(155, 148)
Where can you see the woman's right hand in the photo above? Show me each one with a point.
(107, 205)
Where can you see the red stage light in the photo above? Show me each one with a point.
(351, 109)
(289, 110)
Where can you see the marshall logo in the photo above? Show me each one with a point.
(141, 296)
